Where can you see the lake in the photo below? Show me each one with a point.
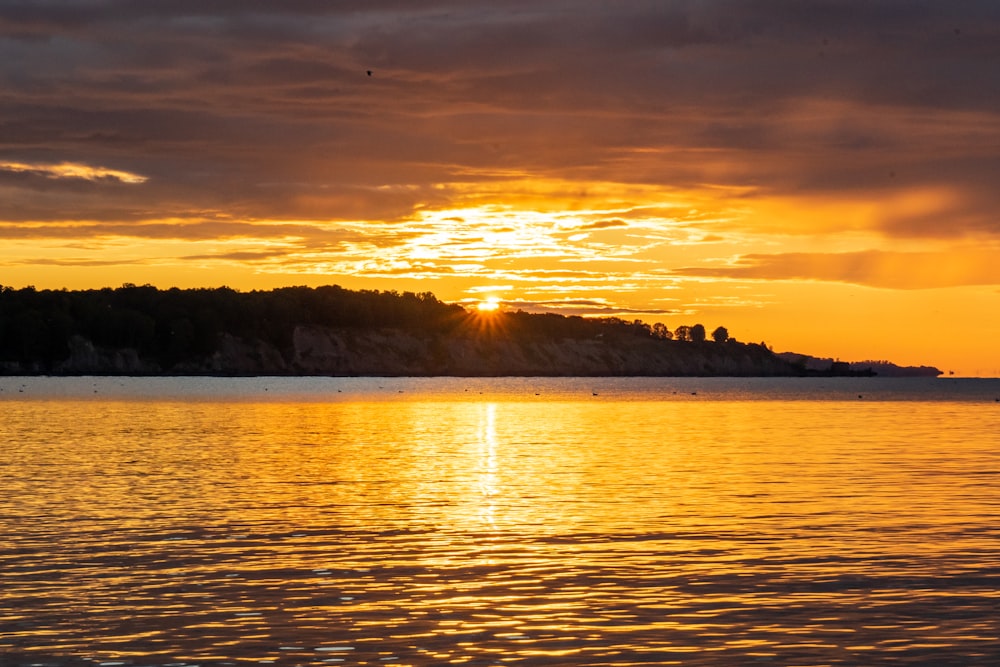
(535, 521)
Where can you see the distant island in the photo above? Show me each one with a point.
(142, 330)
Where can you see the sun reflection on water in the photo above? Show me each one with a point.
(488, 465)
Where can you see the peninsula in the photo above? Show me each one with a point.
(142, 330)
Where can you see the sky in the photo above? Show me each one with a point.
(818, 175)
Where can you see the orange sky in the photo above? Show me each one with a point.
(821, 176)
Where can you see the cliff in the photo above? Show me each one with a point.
(318, 350)
(329, 330)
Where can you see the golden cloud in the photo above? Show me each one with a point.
(74, 171)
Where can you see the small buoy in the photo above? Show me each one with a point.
(860, 396)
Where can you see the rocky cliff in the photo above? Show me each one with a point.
(329, 330)
(316, 350)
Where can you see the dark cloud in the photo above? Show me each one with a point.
(264, 109)
(242, 256)
(583, 307)
(605, 224)
(873, 268)
(84, 262)
(293, 237)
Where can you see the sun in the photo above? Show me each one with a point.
(490, 305)
(487, 319)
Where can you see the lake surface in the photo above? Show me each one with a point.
(617, 521)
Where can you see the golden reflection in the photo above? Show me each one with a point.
(488, 486)
(446, 527)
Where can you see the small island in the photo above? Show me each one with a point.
(333, 331)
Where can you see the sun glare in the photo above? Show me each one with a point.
(490, 305)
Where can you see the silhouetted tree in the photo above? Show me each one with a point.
(720, 335)
(697, 333)
(641, 328)
(660, 330)
(683, 332)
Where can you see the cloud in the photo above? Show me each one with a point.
(583, 307)
(659, 125)
(250, 256)
(605, 224)
(872, 268)
(195, 230)
(717, 87)
(68, 170)
(69, 261)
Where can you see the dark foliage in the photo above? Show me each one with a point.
(170, 325)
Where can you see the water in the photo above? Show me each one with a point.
(317, 521)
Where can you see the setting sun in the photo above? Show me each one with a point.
(490, 305)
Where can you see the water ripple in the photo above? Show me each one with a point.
(485, 533)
